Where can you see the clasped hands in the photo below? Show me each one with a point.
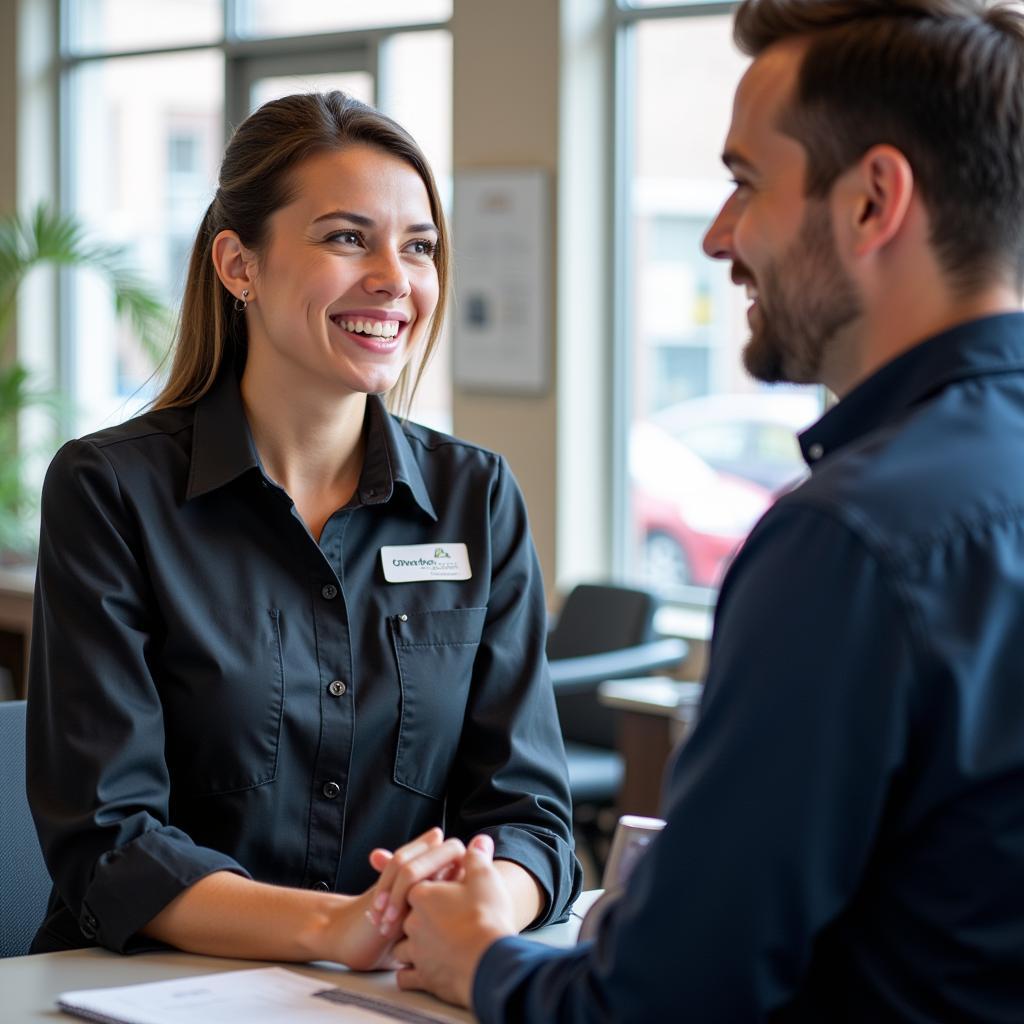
(435, 909)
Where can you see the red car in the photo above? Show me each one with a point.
(688, 518)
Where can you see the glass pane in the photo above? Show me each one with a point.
(111, 25)
(709, 448)
(147, 141)
(417, 77)
(356, 83)
(301, 17)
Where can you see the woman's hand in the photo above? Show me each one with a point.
(429, 857)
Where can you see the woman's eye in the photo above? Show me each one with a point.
(345, 237)
(423, 247)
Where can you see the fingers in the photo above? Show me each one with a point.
(484, 844)
(418, 869)
(409, 978)
(395, 861)
(380, 859)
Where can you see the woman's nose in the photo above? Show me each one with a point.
(387, 274)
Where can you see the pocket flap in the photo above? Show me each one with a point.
(447, 627)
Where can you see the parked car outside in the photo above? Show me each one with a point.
(689, 519)
(752, 436)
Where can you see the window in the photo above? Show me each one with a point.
(147, 92)
(706, 447)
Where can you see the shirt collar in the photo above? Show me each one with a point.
(389, 460)
(223, 449)
(980, 348)
(222, 445)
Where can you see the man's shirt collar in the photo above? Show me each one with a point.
(978, 348)
(223, 448)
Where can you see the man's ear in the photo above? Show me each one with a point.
(235, 265)
(877, 192)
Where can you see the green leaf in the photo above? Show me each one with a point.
(46, 237)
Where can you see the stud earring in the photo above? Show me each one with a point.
(243, 302)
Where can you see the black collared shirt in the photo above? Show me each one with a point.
(211, 689)
(845, 837)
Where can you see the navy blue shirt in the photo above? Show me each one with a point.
(845, 837)
(211, 689)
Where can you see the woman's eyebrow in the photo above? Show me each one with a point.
(367, 222)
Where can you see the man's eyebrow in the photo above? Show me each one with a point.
(367, 222)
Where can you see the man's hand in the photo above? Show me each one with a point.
(361, 932)
(429, 856)
(451, 925)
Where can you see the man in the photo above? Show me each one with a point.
(845, 837)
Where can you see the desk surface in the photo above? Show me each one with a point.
(29, 985)
(651, 695)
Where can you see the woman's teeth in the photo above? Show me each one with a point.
(375, 328)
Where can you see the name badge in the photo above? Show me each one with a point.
(407, 563)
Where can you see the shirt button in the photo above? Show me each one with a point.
(329, 592)
(337, 688)
(815, 452)
(331, 790)
(322, 887)
(403, 618)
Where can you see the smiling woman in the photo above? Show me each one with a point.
(246, 730)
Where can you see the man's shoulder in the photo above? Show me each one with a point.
(945, 468)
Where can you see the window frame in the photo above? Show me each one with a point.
(624, 19)
(246, 59)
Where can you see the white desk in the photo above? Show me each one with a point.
(29, 985)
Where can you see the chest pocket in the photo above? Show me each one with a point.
(435, 653)
(223, 696)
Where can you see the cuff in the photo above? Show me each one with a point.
(550, 859)
(133, 883)
(507, 987)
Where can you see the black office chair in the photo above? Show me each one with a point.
(24, 880)
(602, 633)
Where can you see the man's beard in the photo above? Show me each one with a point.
(804, 299)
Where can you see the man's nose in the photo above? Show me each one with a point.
(718, 239)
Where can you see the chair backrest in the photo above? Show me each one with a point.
(596, 618)
(24, 881)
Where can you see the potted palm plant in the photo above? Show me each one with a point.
(47, 237)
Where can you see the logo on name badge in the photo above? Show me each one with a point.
(408, 563)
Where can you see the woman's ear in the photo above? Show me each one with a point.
(235, 265)
(879, 189)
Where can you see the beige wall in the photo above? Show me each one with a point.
(506, 92)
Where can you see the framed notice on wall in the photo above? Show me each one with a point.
(502, 309)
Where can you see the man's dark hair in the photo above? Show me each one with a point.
(943, 82)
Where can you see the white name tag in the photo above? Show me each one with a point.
(409, 562)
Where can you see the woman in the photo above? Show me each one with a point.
(277, 629)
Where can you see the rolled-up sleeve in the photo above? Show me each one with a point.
(510, 778)
(98, 783)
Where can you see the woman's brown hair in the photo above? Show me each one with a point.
(257, 178)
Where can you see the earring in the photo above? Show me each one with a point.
(243, 302)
